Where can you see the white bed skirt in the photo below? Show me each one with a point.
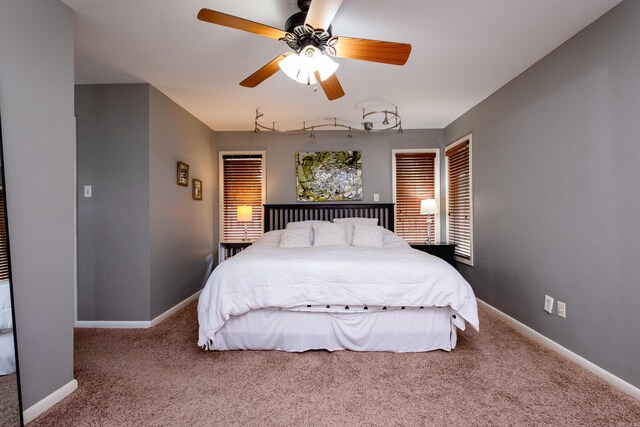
(396, 330)
(7, 354)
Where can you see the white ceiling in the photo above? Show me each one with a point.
(463, 50)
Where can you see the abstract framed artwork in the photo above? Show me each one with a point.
(328, 176)
(183, 174)
(196, 192)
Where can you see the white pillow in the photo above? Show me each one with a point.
(392, 240)
(270, 238)
(348, 224)
(366, 221)
(329, 234)
(308, 224)
(305, 224)
(367, 235)
(296, 238)
(347, 227)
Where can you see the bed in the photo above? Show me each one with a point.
(7, 349)
(383, 297)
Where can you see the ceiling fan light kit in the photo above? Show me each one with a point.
(308, 34)
(303, 66)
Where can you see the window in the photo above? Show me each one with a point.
(242, 183)
(415, 178)
(460, 199)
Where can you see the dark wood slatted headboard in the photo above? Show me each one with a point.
(276, 217)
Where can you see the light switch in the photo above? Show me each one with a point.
(376, 197)
(87, 191)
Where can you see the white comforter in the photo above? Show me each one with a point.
(265, 276)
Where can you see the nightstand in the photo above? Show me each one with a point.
(229, 249)
(442, 250)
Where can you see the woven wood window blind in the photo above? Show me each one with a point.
(459, 199)
(241, 185)
(415, 181)
(4, 260)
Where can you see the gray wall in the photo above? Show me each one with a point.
(181, 228)
(113, 225)
(376, 156)
(557, 193)
(143, 244)
(36, 103)
(280, 154)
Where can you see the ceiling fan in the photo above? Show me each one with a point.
(308, 33)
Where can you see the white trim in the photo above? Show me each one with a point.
(38, 408)
(173, 310)
(136, 324)
(75, 220)
(607, 376)
(113, 324)
(437, 181)
(221, 185)
(465, 138)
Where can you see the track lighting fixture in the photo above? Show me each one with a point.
(372, 121)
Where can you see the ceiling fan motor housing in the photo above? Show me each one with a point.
(305, 39)
(304, 5)
(300, 35)
(295, 20)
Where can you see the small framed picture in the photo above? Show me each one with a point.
(183, 174)
(196, 191)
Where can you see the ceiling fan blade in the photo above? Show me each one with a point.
(331, 86)
(230, 21)
(372, 50)
(322, 12)
(263, 73)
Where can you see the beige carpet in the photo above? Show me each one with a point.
(158, 377)
(9, 405)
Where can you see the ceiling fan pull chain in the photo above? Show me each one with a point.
(309, 31)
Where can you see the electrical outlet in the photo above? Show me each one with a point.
(376, 197)
(562, 309)
(548, 304)
(87, 191)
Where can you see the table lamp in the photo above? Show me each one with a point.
(245, 214)
(428, 207)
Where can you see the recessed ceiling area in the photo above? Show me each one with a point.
(463, 51)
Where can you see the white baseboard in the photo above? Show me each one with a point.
(175, 309)
(113, 324)
(615, 381)
(135, 324)
(38, 408)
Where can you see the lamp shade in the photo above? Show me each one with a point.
(428, 206)
(245, 213)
